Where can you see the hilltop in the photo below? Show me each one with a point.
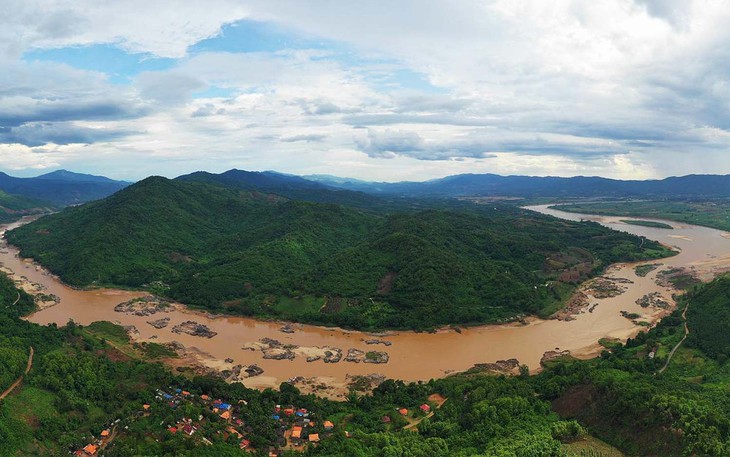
(484, 185)
(61, 188)
(248, 252)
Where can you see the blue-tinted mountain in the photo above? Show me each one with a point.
(290, 186)
(70, 176)
(691, 186)
(61, 188)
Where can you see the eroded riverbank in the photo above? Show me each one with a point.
(301, 351)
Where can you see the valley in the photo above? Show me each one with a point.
(412, 356)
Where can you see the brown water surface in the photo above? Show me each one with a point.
(413, 356)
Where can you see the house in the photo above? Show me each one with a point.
(105, 433)
(146, 407)
(90, 449)
(226, 415)
(314, 438)
(189, 430)
(172, 430)
(386, 419)
(425, 408)
(245, 444)
(185, 393)
(289, 411)
(328, 425)
(225, 406)
(204, 397)
(296, 434)
(348, 434)
(233, 431)
(403, 412)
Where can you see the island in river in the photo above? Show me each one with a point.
(411, 356)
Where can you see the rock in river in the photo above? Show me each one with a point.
(160, 323)
(195, 329)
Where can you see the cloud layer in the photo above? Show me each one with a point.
(383, 90)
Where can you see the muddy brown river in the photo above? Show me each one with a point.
(413, 356)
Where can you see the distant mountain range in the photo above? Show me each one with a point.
(478, 185)
(61, 188)
(290, 186)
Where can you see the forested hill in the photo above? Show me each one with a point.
(61, 188)
(293, 187)
(708, 318)
(252, 253)
(691, 186)
(12, 207)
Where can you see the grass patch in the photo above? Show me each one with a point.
(643, 270)
(564, 292)
(31, 404)
(156, 351)
(651, 224)
(297, 306)
(108, 331)
(610, 343)
(591, 447)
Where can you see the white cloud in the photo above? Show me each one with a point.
(608, 87)
(163, 28)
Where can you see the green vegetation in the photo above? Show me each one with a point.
(643, 270)
(709, 319)
(80, 384)
(652, 224)
(709, 213)
(13, 207)
(245, 252)
(679, 278)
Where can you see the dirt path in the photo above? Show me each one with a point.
(674, 349)
(439, 400)
(20, 379)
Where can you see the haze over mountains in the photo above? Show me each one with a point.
(62, 188)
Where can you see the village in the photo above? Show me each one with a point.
(205, 419)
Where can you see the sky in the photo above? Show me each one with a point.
(384, 90)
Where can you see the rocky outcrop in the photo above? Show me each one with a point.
(552, 355)
(195, 329)
(160, 323)
(145, 306)
(378, 341)
(332, 355)
(354, 355)
(376, 357)
(509, 367)
(253, 370)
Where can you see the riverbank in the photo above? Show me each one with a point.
(301, 354)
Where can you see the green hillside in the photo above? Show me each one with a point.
(13, 207)
(247, 252)
(708, 318)
(88, 379)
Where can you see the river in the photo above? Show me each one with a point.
(413, 356)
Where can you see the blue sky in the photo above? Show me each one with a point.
(396, 90)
